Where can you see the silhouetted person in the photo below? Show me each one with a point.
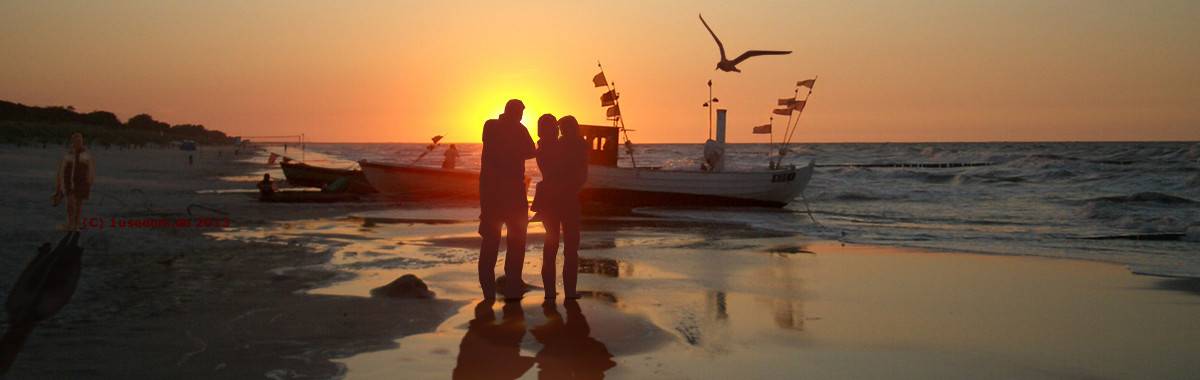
(568, 174)
(266, 187)
(490, 350)
(76, 173)
(547, 141)
(506, 146)
(568, 350)
(451, 157)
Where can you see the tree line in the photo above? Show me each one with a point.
(21, 124)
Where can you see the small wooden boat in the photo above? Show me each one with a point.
(421, 182)
(301, 174)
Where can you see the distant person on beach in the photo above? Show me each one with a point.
(451, 157)
(568, 173)
(266, 187)
(502, 203)
(547, 140)
(76, 173)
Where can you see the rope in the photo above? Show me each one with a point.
(203, 207)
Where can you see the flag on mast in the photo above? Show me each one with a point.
(798, 105)
(782, 111)
(609, 98)
(613, 112)
(599, 80)
(787, 101)
(762, 129)
(807, 83)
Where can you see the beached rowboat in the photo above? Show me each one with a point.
(301, 174)
(421, 182)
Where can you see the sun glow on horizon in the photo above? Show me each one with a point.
(403, 72)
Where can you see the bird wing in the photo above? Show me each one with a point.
(754, 53)
(714, 35)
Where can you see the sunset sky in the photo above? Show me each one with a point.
(394, 71)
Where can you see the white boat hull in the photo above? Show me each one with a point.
(636, 187)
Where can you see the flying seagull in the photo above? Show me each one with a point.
(726, 64)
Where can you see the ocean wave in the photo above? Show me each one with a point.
(1144, 197)
(852, 196)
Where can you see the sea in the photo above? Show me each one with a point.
(1132, 203)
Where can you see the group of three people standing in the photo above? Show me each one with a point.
(561, 155)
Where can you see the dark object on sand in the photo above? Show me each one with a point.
(301, 174)
(44, 287)
(407, 286)
(308, 197)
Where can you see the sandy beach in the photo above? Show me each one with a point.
(283, 292)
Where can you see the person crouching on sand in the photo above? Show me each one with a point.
(266, 187)
(76, 173)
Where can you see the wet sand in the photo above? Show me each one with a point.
(283, 293)
(173, 302)
(680, 300)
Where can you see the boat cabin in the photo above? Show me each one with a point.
(602, 143)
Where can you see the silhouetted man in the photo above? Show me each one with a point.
(506, 146)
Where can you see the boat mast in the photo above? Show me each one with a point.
(619, 120)
(709, 106)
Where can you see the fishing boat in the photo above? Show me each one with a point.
(710, 185)
(305, 175)
(655, 186)
(411, 181)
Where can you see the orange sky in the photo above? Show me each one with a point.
(403, 71)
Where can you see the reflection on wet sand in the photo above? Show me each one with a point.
(600, 266)
(568, 350)
(490, 350)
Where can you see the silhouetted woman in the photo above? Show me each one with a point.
(563, 210)
(76, 173)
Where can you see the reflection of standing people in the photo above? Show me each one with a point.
(76, 173)
(490, 350)
(502, 203)
(568, 350)
(569, 173)
(451, 157)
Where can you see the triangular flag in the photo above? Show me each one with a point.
(599, 80)
(608, 98)
(762, 129)
(807, 83)
(437, 138)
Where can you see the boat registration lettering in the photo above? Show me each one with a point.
(789, 177)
